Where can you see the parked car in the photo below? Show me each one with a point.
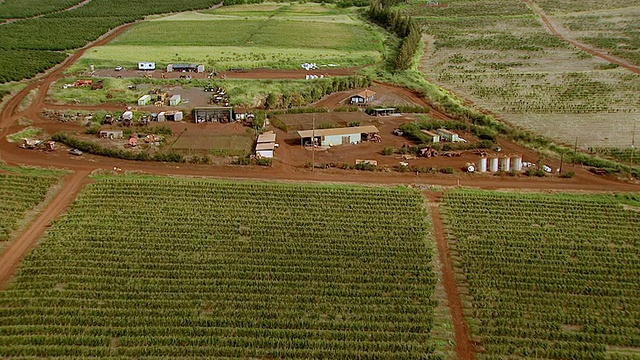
(75, 152)
(118, 68)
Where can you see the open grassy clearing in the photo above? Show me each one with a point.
(513, 66)
(221, 57)
(21, 190)
(227, 270)
(227, 39)
(557, 283)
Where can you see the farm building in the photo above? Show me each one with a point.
(111, 134)
(146, 66)
(362, 98)
(185, 68)
(433, 137)
(170, 116)
(337, 136)
(382, 111)
(448, 135)
(266, 144)
(127, 115)
(221, 114)
(175, 100)
(144, 100)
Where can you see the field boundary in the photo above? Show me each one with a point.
(13, 254)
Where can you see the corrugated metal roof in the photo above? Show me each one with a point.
(430, 133)
(267, 137)
(265, 146)
(366, 94)
(338, 131)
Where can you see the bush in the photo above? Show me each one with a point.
(447, 170)
(365, 166)
(568, 175)
(387, 151)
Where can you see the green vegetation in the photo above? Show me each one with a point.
(231, 270)
(21, 190)
(248, 39)
(26, 133)
(33, 45)
(570, 6)
(97, 149)
(621, 155)
(557, 283)
(18, 9)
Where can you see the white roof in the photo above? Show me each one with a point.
(265, 146)
(175, 97)
(338, 131)
(267, 137)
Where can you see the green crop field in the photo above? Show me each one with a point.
(551, 276)
(236, 37)
(147, 266)
(17, 9)
(21, 190)
(503, 59)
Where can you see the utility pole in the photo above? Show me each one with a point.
(575, 152)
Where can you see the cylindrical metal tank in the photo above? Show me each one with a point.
(505, 163)
(517, 163)
(482, 165)
(493, 164)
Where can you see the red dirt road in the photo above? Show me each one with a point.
(603, 54)
(12, 255)
(464, 346)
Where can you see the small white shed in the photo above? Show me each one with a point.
(146, 66)
(265, 150)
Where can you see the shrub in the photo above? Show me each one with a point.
(387, 151)
(568, 175)
(447, 170)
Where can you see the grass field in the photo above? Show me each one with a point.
(233, 37)
(21, 190)
(507, 62)
(227, 270)
(552, 276)
(214, 144)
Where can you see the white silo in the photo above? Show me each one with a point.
(517, 163)
(493, 164)
(505, 163)
(482, 165)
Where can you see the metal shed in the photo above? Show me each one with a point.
(170, 116)
(265, 149)
(144, 100)
(111, 134)
(175, 100)
(433, 137)
(337, 136)
(448, 135)
(267, 137)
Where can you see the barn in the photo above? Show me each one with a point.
(222, 114)
(337, 136)
(185, 68)
(362, 98)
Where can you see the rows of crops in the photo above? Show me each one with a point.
(18, 9)
(160, 267)
(550, 275)
(59, 31)
(20, 191)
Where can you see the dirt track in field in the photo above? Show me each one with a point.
(558, 32)
(464, 346)
(13, 254)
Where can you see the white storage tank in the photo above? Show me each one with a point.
(482, 165)
(517, 163)
(493, 164)
(505, 163)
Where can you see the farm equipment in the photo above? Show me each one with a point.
(451, 154)
(30, 144)
(97, 85)
(80, 83)
(144, 120)
(108, 119)
(374, 138)
(209, 88)
(428, 152)
(480, 152)
(398, 132)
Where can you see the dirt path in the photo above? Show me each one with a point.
(13, 254)
(464, 346)
(10, 114)
(560, 33)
